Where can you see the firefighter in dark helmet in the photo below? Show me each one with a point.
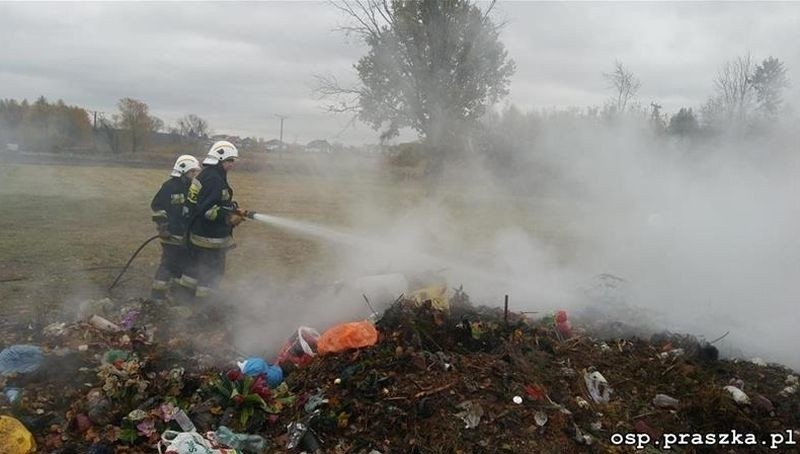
(171, 215)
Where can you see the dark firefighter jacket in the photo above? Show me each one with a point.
(210, 199)
(169, 209)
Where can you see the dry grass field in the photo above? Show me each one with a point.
(68, 229)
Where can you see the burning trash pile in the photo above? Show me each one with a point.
(432, 373)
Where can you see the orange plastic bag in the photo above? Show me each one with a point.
(346, 336)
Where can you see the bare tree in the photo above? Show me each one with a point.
(625, 85)
(193, 126)
(733, 85)
(111, 133)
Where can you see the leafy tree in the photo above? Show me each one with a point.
(684, 123)
(746, 94)
(768, 81)
(432, 65)
(135, 119)
(43, 126)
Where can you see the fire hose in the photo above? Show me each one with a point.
(125, 268)
(235, 210)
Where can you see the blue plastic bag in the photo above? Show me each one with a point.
(20, 359)
(255, 366)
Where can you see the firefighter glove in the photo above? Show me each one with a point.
(235, 219)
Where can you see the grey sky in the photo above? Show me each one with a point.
(238, 64)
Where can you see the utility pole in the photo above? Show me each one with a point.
(282, 117)
(94, 122)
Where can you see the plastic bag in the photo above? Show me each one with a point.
(15, 437)
(346, 336)
(255, 366)
(173, 442)
(438, 296)
(598, 387)
(245, 442)
(20, 359)
(301, 348)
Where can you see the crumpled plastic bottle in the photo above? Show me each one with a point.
(247, 443)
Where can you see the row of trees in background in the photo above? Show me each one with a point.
(42, 125)
(747, 98)
(56, 127)
(437, 67)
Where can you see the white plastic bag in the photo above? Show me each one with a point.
(188, 443)
(598, 387)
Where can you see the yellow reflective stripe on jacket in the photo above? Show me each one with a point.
(212, 213)
(194, 190)
(211, 243)
(175, 240)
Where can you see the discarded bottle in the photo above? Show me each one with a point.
(104, 325)
(184, 421)
(246, 442)
(665, 401)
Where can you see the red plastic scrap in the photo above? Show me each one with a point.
(535, 392)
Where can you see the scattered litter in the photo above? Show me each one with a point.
(20, 359)
(598, 387)
(738, 395)
(247, 443)
(471, 413)
(15, 437)
(673, 353)
(665, 401)
(347, 336)
(517, 400)
(12, 394)
(540, 418)
(758, 362)
(104, 324)
(254, 367)
(301, 348)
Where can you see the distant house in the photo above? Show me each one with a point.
(319, 146)
(275, 145)
(235, 140)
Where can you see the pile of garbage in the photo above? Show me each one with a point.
(431, 373)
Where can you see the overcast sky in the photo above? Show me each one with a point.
(239, 64)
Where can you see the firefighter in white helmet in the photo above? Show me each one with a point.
(171, 216)
(214, 215)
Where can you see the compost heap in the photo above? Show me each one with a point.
(443, 376)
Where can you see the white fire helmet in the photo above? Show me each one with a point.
(222, 151)
(183, 164)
